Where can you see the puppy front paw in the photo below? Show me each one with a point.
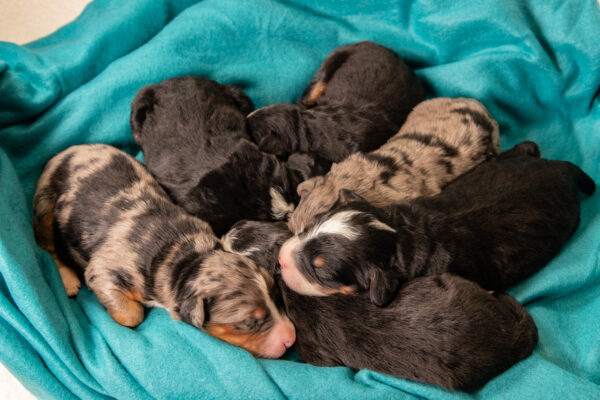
(70, 280)
(131, 314)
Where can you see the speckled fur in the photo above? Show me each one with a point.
(496, 225)
(441, 139)
(101, 214)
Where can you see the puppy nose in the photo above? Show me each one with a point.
(287, 334)
(281, 262)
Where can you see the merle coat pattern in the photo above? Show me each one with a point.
(496, 225)
(359, 97)
(441, 329)
(192, 132)
(441, 139)
(101, 215)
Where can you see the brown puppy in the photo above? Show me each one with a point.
(441, 139)
(97, 210)
(440, 329)
(358, 99)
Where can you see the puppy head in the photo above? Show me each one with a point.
(275, 128)
(347, 249)
(260, 241)
(317, 195)
(189, 107)
(230, 298)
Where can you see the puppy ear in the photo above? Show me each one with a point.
(384, 286)
(241, 99)
(141, 106)
(307, 186)
(523, 149)
(346, 196)
(191, 311)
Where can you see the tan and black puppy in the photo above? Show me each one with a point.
(359, 98)
(98, 211)
(441, 139)
(442, 329)
(496, 225)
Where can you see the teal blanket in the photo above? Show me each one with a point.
(535, 65)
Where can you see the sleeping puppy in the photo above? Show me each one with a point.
(359, 98)
(441, 329)
(495, 225)
(98, 211)
(441, 139)
(192, 132)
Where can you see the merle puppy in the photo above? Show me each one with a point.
(192, 132)
(359, 97)
(441, 329)
(496, 225)
(101, 214)
(441, 139)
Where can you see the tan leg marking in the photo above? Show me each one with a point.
(70, 279)
(124, 310)
(315, 93)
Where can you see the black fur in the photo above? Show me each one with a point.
(367, 92)
(441, 330)
(496, 225)
(192, 131)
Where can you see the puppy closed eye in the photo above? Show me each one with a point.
(319, 262)
(256, 320)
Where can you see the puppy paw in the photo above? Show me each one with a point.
(131, 314)
(70, 280)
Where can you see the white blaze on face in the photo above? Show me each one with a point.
(338, 224)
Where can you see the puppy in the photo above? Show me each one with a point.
(192, 132)
(441, 139)
(98, 211)
(495, 225)
(441, 329)
(359, 98)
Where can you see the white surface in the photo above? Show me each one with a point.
(11, 388)
(22, 21)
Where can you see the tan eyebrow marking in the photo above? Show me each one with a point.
(319, 261)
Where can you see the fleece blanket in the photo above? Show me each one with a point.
(535, 65)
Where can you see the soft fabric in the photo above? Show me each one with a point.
(535, 65)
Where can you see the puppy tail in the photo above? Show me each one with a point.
(317, 85)
(44, 201)
(584, 182)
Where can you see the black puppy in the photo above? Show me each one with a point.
(359, 98)
(496, 225)
(192, 131)
(441, 329)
